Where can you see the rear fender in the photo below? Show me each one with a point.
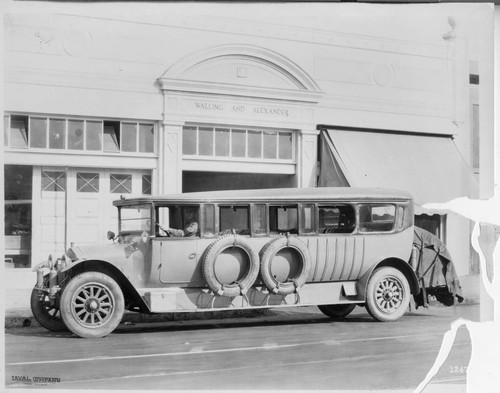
(396, 263)
(131, 295)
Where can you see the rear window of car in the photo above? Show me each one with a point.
(376, 218)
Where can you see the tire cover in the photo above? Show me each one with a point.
(210, 258)
(267, 255)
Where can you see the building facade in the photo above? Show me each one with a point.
(171, 98)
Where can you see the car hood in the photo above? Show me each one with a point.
(104, 252)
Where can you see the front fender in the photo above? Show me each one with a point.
(399, 264)
(132, 297)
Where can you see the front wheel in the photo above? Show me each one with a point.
(387, 294)
(46, 315)
(92, 305)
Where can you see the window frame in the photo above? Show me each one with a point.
(372, 205)
(47, 140)
(193, 152)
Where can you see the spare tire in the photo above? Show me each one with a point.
(230, 265)
(292, 265)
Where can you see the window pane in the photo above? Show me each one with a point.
(94, 135)
(53, 181)
(120, 184)
(208, 220)
(146, 138)
(135, 218)
(222, 142)
(18, 182)
(57, 131)
(376, 218)
(285, 146)
(206, 142)
(259, 219)
(38, 132)
(146, 184)
(111, 136)
(336, 219)
(254, 144)
(270, 144)
(129, 137)
(75, 134)
(283, 219)
(307, 219)
(87, 182)
(18, 221)
(238, 143)
(234, 217)
(6, 130)
(189, 140)
(18, 131)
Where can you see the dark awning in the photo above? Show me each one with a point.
(429, 167)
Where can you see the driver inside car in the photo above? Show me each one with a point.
(190, 229)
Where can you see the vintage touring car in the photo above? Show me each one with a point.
(331, 247)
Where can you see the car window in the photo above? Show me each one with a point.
(234, 218)
(336, 219)
(135, 218)
(283, 219)
(376, 218)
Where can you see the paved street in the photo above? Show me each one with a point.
(285, 349)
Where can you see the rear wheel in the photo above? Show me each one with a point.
(337, 311)
(92, 305)
(387, 294)
(46, 315)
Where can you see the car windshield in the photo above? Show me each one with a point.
(135, 218)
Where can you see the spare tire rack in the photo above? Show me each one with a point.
(213, 251)
(267, 255)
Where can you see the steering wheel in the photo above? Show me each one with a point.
(167, 234)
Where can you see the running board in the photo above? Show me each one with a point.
(203, 299)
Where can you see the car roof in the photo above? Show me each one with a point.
(285, 195)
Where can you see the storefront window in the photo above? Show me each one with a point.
(146, 138)
(38, 132)
(94, 135)
(23, 131)
(111, 136)
(17, 215)
(189, 140)
(285, 145)
(238, 143)
(270, 144)
(254, 144)
(129, 137)
(19, 131)
(75, 134)
(222, 142)
(57, 130)
(206, 144)
(6, 130)
(251, 144)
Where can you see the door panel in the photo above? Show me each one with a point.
(179, 260)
